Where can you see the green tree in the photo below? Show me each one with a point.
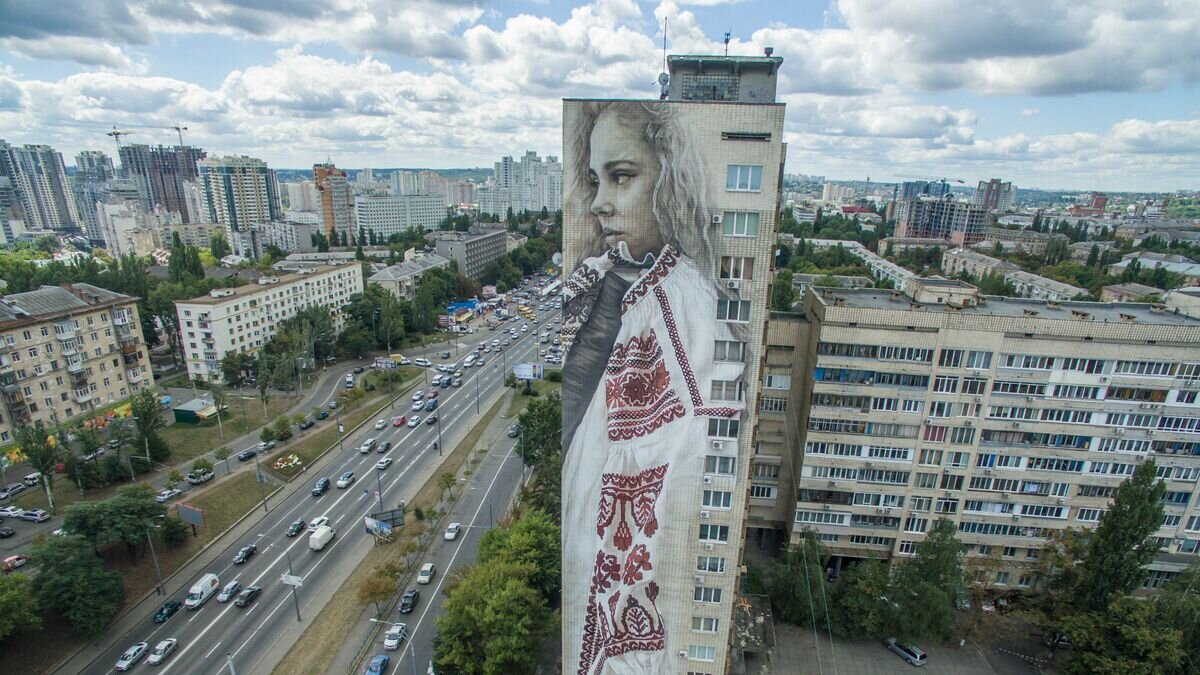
(72, 583)
(936, 560)
(536, 540)
(267, 434)
(41, 451)
(174, 478)
(147, 412)
(174, 532)
(446, 482)
(541, 429)
(220, 397)
(1093, 258)
(201, 466)
(1177, 605)
(219, 245)
(376, 589)
(222, 454)
(858, 601)
(545, 490)
(1124, 639)
(783, 294)
(794, 582)
(1123, 544)
(18, 607)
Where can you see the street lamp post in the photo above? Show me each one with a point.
(338, 412)
(439, 427)
(295, 598)
(154, 556)
(260, 479)
(379, 488)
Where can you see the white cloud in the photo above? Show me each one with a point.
(1029, 112)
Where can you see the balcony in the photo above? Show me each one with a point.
(75, 366)
(129, 349)
(21, 415)
(82, 396)
(65, 329)
(135, 375)
(126, 337)
(15, 400)
(122, 319)
(69, 347)
(132, 359)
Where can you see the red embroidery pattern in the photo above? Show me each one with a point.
(667, 260)
(638, 391)
(626, 620)
(680, 355)
(717, 412)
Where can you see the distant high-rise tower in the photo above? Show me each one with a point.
(993, 195)
(239, 191)
(337, 200)
(161, 172)
(40, 178)
(93, 171)
(302, 195)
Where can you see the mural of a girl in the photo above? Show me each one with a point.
(640, 306)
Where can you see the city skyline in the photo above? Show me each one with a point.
(1030, 93)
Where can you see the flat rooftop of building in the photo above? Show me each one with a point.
(873, 298)
(256, 288)
(50, 301)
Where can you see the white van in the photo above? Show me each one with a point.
(349, 380)
(202, 590)
(33, 479)
(469, 361)
(319, 538)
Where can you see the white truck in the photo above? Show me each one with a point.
(202, 590)
(320, 537)
(199, 477)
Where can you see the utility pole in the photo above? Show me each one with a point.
(229, 660)
(260, 479)
(295, 598)
(157, 571)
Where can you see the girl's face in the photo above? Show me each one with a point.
(623, 170)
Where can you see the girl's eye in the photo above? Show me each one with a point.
(622, 178)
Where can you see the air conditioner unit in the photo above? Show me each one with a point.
(833, 483)
(1004, 496)
(880, 510)
(718, 445)
(705, 514)
(868, 464)
(731, 285)
(827, 507)
(1061, 501)
(708, 547)
(1149, 432)
(969, 423)
(683, 652)
(978, 399)
(1119, 431)
(699, 578)
(1016, 516)
(716, 219)
(1016, 425)
(928, 420)
(1104, 379)
(987, 471)
(708, 480)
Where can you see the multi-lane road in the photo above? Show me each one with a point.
(253, 635)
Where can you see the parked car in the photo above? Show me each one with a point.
(322, 415)
(248, 454)
(265, 446)
(199, 477)
(514, 430)
(345, 480)
(167, 494)
(307, 424)
(424, 363)
(230, 591)
(247, 596)
(12, 490)
(130, 658)
(6, 532)
(296, 527)
(452, 531)
(910, 653)
(167, 610)
(114, 443)
(161, 651)
(13, 562)
(320, 487)
(378, 665)
(244, 554)
(409, 602)
(35, 516)
(11, 512)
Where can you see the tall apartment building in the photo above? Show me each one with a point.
(93, 170)
(302, 195)
(958, 223)
(243, 319)
(528, 184)
(40, 178)
(1013, 418)
(914, 189)
(161, 172)
(395, 214)
(336, 200)
(656, 476)
(239, 191)
(405, 183)
(994, 195)
(66, 351)
(473, 251)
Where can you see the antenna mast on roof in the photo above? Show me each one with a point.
(663, 77)
(727, 42)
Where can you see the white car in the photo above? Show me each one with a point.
(425, 576)
(414, 421)
(393, 637)
(424, 363)
(345, 480)
(166, 494)
(417, 405)
(317, 522)
(405, 361)
(161, 651)
(11, 512)
(418, 395)
(380, 424)
(130, 657)
(452, 531)
(383, 463)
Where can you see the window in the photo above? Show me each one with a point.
(729, 350)
(727, 390)
(1083, 365)
(1027, 362)
(974, 385)
(906, 547)
(702, 652)
(1001, 578)
(941, 409)
(947, 505)
(950, 358)
(733, 310)
(739, 224)
(704, 624)
(979, 360)
(916, 525)
(945, 384)
(722, 428)
(707, 594)
(962, 435)
(777, 381)
(951, 482)
(714, 532)
(736, 268)
(918, 354)
(717, 499)
(921, 504)
(710, 563)
(771, 404)
(763, 491)
(721, 465)
(926, 481)
(743, 178)
(766, 471)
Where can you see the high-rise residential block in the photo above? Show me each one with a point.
(243, 319)
(406, 183)
(670, 213)
(66, 351)
(336, 200)
(994, 195)
(93, 170)
(40, 178)
(302, 195)
(161, 173)
(528, 184)
(239, 191)
(958, 223)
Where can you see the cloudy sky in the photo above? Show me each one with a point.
(1081, 94)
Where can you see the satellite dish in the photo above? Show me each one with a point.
(557, 259)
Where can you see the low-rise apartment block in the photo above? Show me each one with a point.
(1030, 285)
(1011, 417)
(474, 250)
(965, 261)
(243, 319)
(66, 351)
(402, 278)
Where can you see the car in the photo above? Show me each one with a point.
(161, 651)
(247, 596)
(307, 424)
(424, 363)
(244, 554)
(12, 490)
(317, 522)
(414, 421)
(333, 405)
(452, 531)
(247, 455)
(11, 512)
(384, 447)
(394, 636)
(13, 562)
(908, 652)
(481, 363)
(432, 419)
(495, 342)
(230, 591)
(487, 350)
(383, 463)
(405, 361)
(445, 355)
(320, 487)
(322, 415)
(425, 576)
(409, 601)
(432, 394)
(418, 395)
(417, 405)
(265, 446)
(457, 382)
(399, 421)
(514, 430)
(167, 610)
(296, 527)
(166, 494)
(378, 665)
(358, 370)
(431, 405)
(345, 480)
(35, 516)
(114, 443)
(458, 373)
(100, 452)
(380, 424)
(435, 381)
(6, 532)
(445, 383)
(130, 658)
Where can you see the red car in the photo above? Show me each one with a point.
(432, 394)
(399, 421)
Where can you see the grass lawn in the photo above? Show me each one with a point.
(189, 441)
(542, 387)
(314, 651)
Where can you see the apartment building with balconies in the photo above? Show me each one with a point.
(1013, 418)
(67, 351)
(243, 319)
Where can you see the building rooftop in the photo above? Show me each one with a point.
(403, 270)
(51, 301)
(976, 256)
(1043, 282)
(232, 294)
(1134, 289)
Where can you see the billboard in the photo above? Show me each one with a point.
(527, 371)
(190, 514)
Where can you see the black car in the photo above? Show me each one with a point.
(445, 383)
(244, 554)
(514, 430)
(409, 602)
(320, 487)
(246, 454)
(322, 415)
(384, 447)
(247, 596)
(358, 369)
(167, 610)
(296, 527)
(6, 532)
(307, 424)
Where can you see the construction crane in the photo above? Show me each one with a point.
(179, 129)
(117, 134)
(933, 179)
